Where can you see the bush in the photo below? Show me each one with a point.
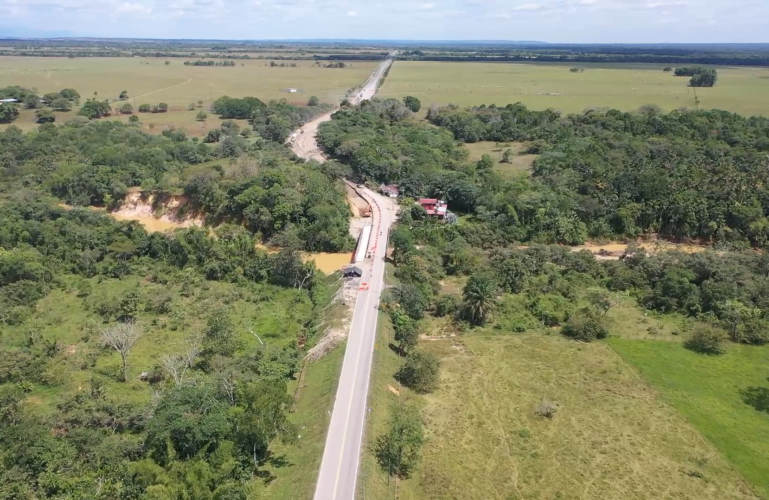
(706, 340)
(585, 325)
(45, 116)
(144, 108)
(61, 104)
(446, 305)
(546, 409)
(420, 372)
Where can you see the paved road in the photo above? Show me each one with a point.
(341, 456)
(304, 143)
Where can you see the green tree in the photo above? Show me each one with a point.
(411, 299)
(314, 101)
(706, 340)
(735, 316)
(61, 104)
(133, 119)
(162, 107)
(45, 116)
(188, 419)
(123, 95)
(413, 103)
(144, 108)
(480, 298)
(129, 306)
(261, 416)
(585, 325)
(70, 94)
(485, 163)
(93, 109)
(398, 450)
(406, 332)
(219, 334)
(602, 300)
(507, 156)
(202, 116)
(126, 109)
(31, 101)
(8, 112)
(191, 106)
(420, 372)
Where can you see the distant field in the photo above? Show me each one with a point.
(621, 86)
(150, 81)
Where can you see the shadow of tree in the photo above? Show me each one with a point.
(397, 350)
(276, 461)
(757, 397)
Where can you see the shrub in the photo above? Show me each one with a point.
(707, 340)
(45, 116)
(546, 409)
(420, 372)
(585, 325)
(446, 305)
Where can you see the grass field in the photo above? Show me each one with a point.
(150, 81)
(621, 86)
(613, 436)
(520, 164)
(617, 434)
(725, 397)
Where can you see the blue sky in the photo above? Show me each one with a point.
(579, 21)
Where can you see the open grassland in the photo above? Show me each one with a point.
(520, 165)
(612, 437)
(74, 322)
(150, 81)
(273, 313)
(540, 86)
(725, 397)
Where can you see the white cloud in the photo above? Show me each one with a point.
(528, 7)
(588, 2)
(351, 13)
(428, 5)
(133, 8)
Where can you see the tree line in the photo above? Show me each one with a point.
(700, 77)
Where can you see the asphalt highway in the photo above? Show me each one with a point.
(337, 479)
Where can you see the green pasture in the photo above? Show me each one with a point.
(151, 81)
(725, 397)
(540, 86)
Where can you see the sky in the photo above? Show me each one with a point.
(558, 21)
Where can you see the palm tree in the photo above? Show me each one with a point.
(480, 296)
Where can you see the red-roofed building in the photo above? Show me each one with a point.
(434, 207)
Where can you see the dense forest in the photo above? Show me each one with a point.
(259, 185)
(687, 174)
(195, 414)
(218, 404)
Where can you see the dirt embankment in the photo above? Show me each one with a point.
(616, 250)
(157, 213)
